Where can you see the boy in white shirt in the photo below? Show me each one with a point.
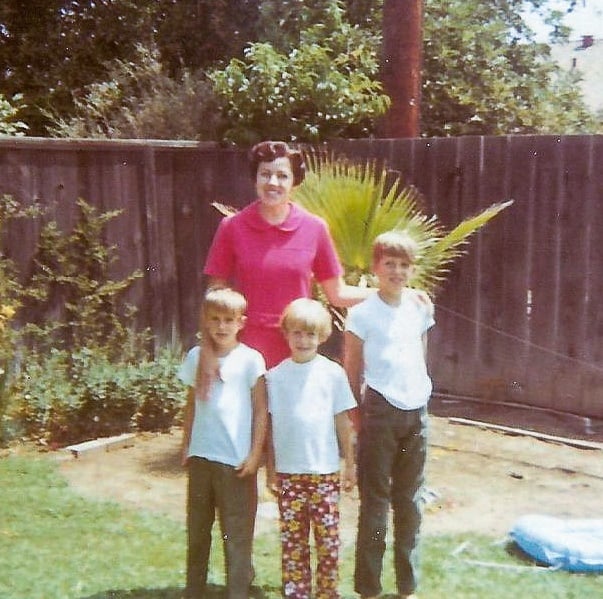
(222, 445)
(385, 347)
(308, 400)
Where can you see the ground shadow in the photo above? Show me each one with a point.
(529, 418)
(515, 551)
(166, 464)
(213, 591)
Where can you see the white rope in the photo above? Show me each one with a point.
(521, 340)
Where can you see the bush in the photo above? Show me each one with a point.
(10, 299)
(161, 397)
(70, 300)
(66, 397)
(76, 369)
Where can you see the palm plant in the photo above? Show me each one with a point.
(360, 201)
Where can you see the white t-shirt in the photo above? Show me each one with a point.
(222, 424)
(303, 399)
(394, 361)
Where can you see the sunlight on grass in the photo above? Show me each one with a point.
(57, 545)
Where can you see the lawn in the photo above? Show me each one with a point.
(57, 545)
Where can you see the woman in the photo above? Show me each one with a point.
(272, 251)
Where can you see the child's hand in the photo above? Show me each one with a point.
(348, 479)
(249, 466)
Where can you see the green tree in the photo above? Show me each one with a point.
(195, 34)
(313, 81)
(11, 293)
(48, 48)
(484, 74)
(140, 100)
(283, 24)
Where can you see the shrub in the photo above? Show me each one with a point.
(160, 396)
(71, 300)
(66, 397)
(10, 298)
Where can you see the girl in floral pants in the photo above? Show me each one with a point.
(309, 397)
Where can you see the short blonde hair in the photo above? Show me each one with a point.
(395, 243)
(309, 315)
(224, 300)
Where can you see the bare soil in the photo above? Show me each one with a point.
(479, 480)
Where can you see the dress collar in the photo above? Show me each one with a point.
(254, 218)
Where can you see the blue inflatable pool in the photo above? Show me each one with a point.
(574, 545)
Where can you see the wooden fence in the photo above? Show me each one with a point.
(520, 317)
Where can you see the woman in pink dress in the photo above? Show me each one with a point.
(273, 250)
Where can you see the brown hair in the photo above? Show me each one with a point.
(308, 314)
(395, 243)
(268, 151)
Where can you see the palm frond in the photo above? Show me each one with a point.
(360, 201)
(441, 250)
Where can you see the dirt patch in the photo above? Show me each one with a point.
(478, 480)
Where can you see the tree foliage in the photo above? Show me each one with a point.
(70, 300)
(314, 79)
(140, 100)
(49, 48)
(493, 78)
(482, 71)
(197, 34)
(9, 110)
(309, 94)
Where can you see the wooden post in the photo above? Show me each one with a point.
(401, 66)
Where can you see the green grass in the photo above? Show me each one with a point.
(57, 545)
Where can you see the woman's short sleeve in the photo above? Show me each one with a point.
(326, 262)
(220, 262)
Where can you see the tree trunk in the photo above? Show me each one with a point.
(401, 66)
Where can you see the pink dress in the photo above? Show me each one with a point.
(271, 265)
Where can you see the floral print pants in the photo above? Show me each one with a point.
(305, 501)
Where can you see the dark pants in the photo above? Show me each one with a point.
(392, 448)
(213, 486)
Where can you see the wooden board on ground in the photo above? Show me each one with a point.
(102, 444)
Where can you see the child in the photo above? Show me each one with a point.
(222, 445)
(385, 344)
(308, 398)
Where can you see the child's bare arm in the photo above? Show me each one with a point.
(344, 437)
(271, 482)
(258, 435)
(353, 364)
(189, 412)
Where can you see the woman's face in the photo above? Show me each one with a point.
(274, 182)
